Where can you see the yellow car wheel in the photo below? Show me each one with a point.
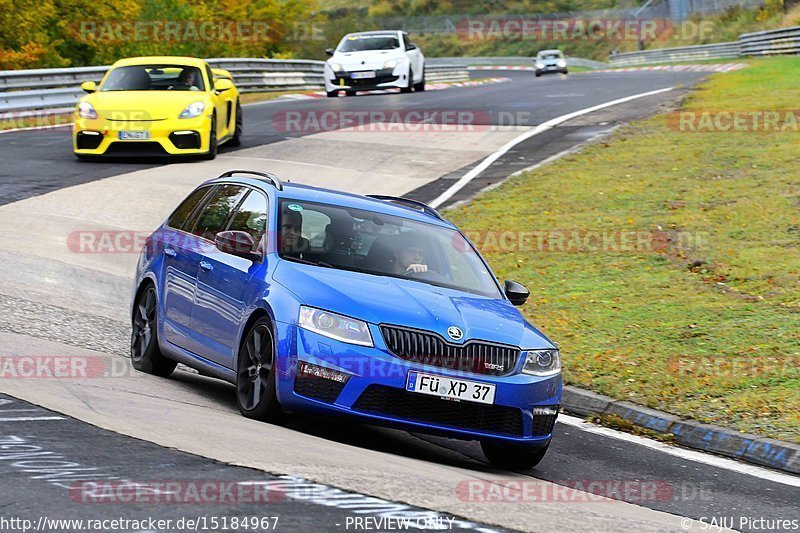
(212, 140)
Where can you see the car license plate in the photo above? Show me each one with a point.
(454, 389)
(134, 135)
(362, 75)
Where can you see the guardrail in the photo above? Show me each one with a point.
(58, 89)
(783, 41)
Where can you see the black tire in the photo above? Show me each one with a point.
(410, 85)
(145, 354)
(511, 457)
(538, 74)
(83, 157)
(212, 140)
(350, 93)
(239, 130)
(419, 87)
(332, 94)
(566, 72)
(255, 379)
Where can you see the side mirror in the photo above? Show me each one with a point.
(516, 293)
(238, 243)
(89, 86)
(411, 46)
(329, 51)
(222, 85)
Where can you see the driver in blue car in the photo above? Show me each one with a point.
(409, 256)
(292, 240)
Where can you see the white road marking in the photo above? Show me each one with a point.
(683, 453)
(486, 163)
(31, 418)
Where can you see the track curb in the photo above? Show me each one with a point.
(780, 455)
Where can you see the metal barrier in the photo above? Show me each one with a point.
(783, 41)
(57, 89)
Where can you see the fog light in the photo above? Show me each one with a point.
(307, 369)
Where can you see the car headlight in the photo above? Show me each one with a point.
(336, 67)
(193, 110)
(539, 65)
(86, 110)
(542, 362)
(391, 63)
(335, 326)
(561, 63)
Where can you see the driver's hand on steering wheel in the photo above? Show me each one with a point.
(417, 268)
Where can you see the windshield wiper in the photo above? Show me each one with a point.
(308, 262)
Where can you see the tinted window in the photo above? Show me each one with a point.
(179, 217)
(251, 217)
(216, 212)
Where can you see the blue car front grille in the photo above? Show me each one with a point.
(429, 348)
(397, 403)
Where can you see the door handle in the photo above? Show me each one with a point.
(170, 252)
(205, 265)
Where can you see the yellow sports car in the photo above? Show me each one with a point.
(158, 106)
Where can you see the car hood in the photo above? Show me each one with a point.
(367, 59)
(387, 300)
(143, 105)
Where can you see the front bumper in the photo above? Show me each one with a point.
(551, 69)
(384, 79)
(167, 137)
(374, 389)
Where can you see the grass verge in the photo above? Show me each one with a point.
(704, 326)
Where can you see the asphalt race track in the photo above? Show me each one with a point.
(120, 426)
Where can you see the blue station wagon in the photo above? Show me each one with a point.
(375, 307)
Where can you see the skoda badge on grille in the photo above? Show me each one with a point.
(455, 333)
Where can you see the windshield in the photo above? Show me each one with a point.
(154, 78)
(380, 244)
(373, 42)
(550, 55)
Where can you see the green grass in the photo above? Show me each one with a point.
(710, 333)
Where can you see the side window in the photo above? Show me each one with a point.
(407, 42)
(314, 226)
(179, 217)
(216, 212)
(251, 217)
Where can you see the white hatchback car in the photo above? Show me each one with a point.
(374, 60)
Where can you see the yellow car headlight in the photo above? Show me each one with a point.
(193, 110)
(86, 110)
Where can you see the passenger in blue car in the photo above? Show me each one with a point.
(292, 240)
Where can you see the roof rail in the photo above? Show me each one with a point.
(408, 202)
(263, 176)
